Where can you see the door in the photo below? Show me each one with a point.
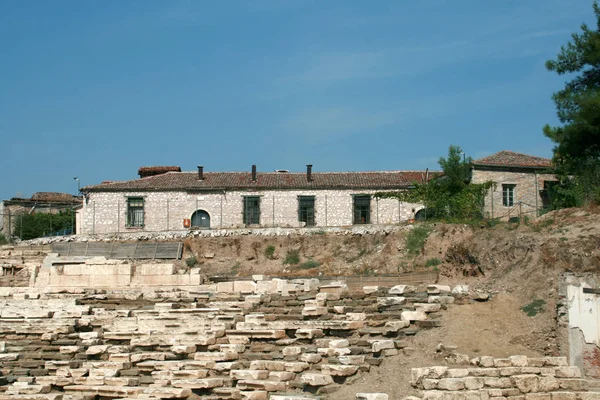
(200, 219)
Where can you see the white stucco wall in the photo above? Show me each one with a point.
(106, 212)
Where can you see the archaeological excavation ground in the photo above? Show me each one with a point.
(470, 312)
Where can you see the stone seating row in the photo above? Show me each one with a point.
(219, 347)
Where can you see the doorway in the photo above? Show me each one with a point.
(200, 219)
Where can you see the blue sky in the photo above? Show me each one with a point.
(96, 89)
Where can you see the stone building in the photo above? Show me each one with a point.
(164, 198)
(521, 184)
(41, 202)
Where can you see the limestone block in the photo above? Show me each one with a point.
(397, 325)
(372, 396)
(498, 383)
(527, 383)
(9, 356)
(473, 383)
(232, 347)
(338, 370)
(428, 307)
(401, 289)
(390, 301)
(254, 395)
(578, 385)
(69, 349)
(356, 316)
(311, 284)
(418, 315)
(226, 366)
(312, 358)
(440, 299)
(206, 383)
(547, 383)
(156, 269)
(314, 379)
(291, 397)
(325, 296)
(292, 350)
(352, 360)
(567, 372)
(268, 386)
(95, 350)
(438, 289)
(314, 311)
(309, 333)
(333, 288)
(378, 345)
(156, 356)
(244, 286)
(370, 289)
(338, 343)
(333, 352)
(460, 289)
(183, 349)
(167, 393)
(563, 396)
(215, 356)
(281, 376)
(518, 361)
(249, 374)
(266, 287)
(417, 374)
(457, 372)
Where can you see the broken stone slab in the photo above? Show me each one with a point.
(293, 397)
(309, 333)
(428, 307)
(281, 376)
(411, 316)
(167, 393)
(440, 299)
(249, 374)
(438, 289)
(257, 334)
(338, 370)
(391, 301)
(270, 365)
(401, 289)
(95, 350)
(207, 383)
(268, 386)
(314, 311)
(314, 379)
(216, 356)
(370, 289)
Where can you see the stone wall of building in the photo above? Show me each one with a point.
(528, 186)
(107, 212)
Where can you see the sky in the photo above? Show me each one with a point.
(96, 89)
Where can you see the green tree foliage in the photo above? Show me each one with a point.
(32, 226)
(450, 196)
(577, 140)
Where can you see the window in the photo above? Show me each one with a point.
(135, 211)
(251, 210)
(306, 210)
(362, 209)
(508, 195)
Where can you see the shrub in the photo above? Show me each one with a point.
(534, 308)
(433, 262)
(292, 257)
(3, 239)
(270, 252)
(191, 261)
(415, 239)
(309, 264)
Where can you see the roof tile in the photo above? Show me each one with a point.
(267, 180)
(506, 158)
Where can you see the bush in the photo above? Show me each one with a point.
(415, 239)
(534, 308)
(31, 226)
(309, 264)
(433, 262)
(3, 239)
(191, 261)
(292, 257)
(270, 252)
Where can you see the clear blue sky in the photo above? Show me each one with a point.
(96, 89)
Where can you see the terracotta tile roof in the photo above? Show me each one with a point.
(267, 180)
(156, 170)
(507, 158)
(55, 197)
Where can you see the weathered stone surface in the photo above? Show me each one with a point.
(338, 370)
(314, 379)
(372, 396)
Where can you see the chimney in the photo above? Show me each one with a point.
(201, 172)
(253, 173)
(309, 172)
